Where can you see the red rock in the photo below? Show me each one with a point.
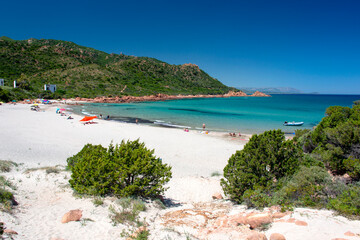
(258, 219)
(291, 220)
(280, 220)
(277, 236)
(217, 196)
(256, 236)
(301, 223)
(236, 220)
(10, 231)
(350, 234)
(72, 215)
(259, 94)
(235, 94)
(280, 214)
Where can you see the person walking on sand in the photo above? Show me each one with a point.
(203, 126)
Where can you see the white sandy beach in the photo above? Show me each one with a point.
(41, 139)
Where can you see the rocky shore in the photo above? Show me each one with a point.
(162, 97)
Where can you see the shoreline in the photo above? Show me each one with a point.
(163, 97)
(245, 132)
(244, 138)
(18, 120)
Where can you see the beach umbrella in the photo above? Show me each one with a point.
(62, 109)
(87, 118)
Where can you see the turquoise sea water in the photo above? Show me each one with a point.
(235, 114)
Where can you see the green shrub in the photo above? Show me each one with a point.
(6, 183)
(353, 167)
(300, 134)
(310, 186)
(215, 174)
(98, 201)
(128, 169)
(348, 202)
(5, 196)
(87, 153)
(143, 235)
(7, 199)
(6, 166)
(5, 95)
(258, 198)
(265, 159)
(336, 140)
(311, 160)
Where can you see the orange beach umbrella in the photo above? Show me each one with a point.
(87, 118)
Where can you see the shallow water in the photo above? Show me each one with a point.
(235, 114)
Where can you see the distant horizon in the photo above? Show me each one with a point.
(308, 45)
(315, 93)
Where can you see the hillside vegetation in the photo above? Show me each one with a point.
(85, 72)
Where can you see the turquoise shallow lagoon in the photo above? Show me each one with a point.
(235, 114)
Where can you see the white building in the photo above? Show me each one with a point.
(50, 87)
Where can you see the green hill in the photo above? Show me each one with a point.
(87, 72)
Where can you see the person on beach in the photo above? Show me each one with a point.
(203, 126)
(136, 121)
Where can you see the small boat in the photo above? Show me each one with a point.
(293, 123)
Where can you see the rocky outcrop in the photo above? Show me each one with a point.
(10, 231)
(256, 236)
(259, 94)
(277, 236)
(213, 221)
(72, 215)
(162, 97)
(236, 94)
(350, 234)
(217, 196)
(300, 223)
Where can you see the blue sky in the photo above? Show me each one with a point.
(313, 46)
